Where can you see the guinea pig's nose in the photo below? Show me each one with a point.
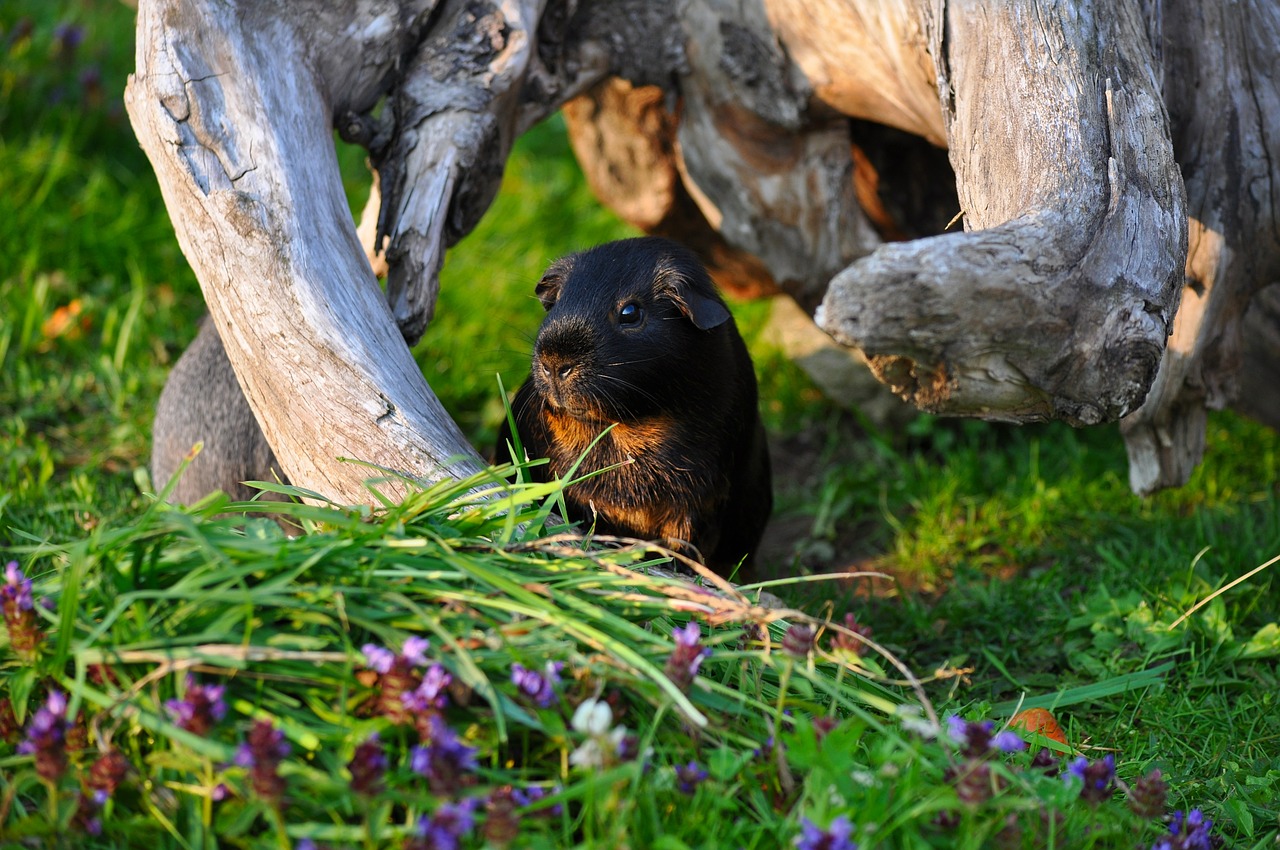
(562, 371)
(556, 365)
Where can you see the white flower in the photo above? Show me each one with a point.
(913, 720)
(865, 778)
(593, 717)
(588, 754)
(615, 737)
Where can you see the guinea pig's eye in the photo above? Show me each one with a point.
(630, 314)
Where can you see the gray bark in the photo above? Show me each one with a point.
(235, 105)
(1220, 63)
(1056, 301)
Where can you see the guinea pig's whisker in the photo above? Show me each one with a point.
(633, 362)
(643, 393)
(524, 406)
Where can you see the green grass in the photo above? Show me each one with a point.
(1025, 567)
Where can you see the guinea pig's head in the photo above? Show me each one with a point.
(631, 327)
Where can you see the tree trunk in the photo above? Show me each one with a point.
(1219, 83)
(742, 129)
(234, 105)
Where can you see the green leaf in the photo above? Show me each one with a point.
(1239, 811)
(1265, 642)
(1088, 693)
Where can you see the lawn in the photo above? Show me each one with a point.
(565, 699)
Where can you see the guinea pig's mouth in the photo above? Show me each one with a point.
(576, 408)
(566, 403)
(556, 386)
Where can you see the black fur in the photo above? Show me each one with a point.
(637, 337)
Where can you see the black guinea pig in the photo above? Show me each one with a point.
(637, 337)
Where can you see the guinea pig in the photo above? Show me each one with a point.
(636, 337)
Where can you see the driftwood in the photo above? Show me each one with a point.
(795, 143)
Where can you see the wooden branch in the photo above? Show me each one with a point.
(454, 127)
(239, 130)
(867, 59)
(1260, 369)
(1057, 302)
(1225, 114)
(773, 176)
(625, 139)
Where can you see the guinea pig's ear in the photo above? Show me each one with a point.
(548, 289)
(695, 296)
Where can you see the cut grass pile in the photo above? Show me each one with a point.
(1028, 572)
(446, 672)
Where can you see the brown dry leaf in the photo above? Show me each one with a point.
(1039, 720)
(63, 321)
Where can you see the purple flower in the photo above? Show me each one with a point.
(444, 761)
(1008, 742)
(264, 748)
(90, 80)
(200, 710)
(368, 765)
(682, 666)
(1148, 796)
(834, 837)
(16, 590)
(430, 695)
(444, 829)
(798, 640)
(528, 796)
(1096, 777)
(690, 636)
(628, 745)
(412, 654)
(1045, 761)
(689, 777)
(823, 726)
(378, 658)
(414, 651)
(976, 740)
(68, 38)
(398, 679)
(841, 642)
(46, 738)
(539, 687)
(1191, 832)
(104, 777)
(972, 780)
(106, 774)
(18, 608)
(87, 816)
